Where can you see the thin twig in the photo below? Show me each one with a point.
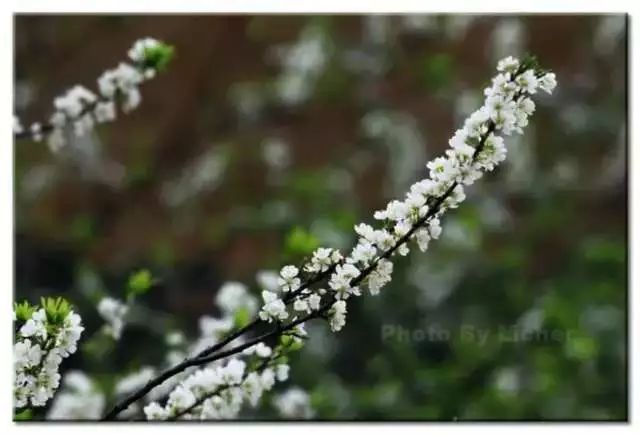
(208, 356)
(222, 388)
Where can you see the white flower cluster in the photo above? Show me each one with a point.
(273, 308)
(231, 299)
(234, 296)
(338, 315)
(289, 285)
(294, 403)
(17, 125)
(218, 392)
(474, 149)
(322, 259)
(41, 345)
(138, 53)
(134, 380)
(113, 312)
(302, 64)
(79, 109)
(78, 399)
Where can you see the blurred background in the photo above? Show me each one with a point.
(270, 135)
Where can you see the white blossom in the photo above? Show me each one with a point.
(294, 404)
(134, 380)
(434, 228)
(288, 280)
(363, 253)
(301, 305)
(366, 231)
(138, 50)
(340, 280)
(105, 111)
(548, 82)
(79, 399)
(273, 308)
(303, 63)
(155, 411)
(259, 349)
(17, 125)
(268, 280)
(422, 237)
(36, 326)
(322, 259)
(282, 372)
(218, 392)
(80, 109)
(383, 240)
(212, 327)
(508, 64)
(442, 169)
(338, 314)
(180, 398)
(174, 338)
(268, 379)
(40, 347)
(313, 301)
(380, 276)
(527, 81)
(476, 124)
(252, 388)
(36, 131)
(234, 296)
(26, 354)
(473, 149)
(113, 311)
(276, 154)
(402, 228)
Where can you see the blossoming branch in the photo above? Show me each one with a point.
(321, 287)
(78, 110)
(48, 334)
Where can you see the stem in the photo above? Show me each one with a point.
(208, 356)
(287, 299)
(46, 128)
(222, 388)
(201, 357)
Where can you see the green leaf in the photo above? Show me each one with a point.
(159, 56)
(139, 283)
(242, 317)
(530, 62)
(23, 310)
(290, 343)
(300, 242)
(56, 309)
(26, 414)
(604, 251)
(438, 70)
(285, 340)
(296, 345)
(582, 347)
(97, 347)
(83, 228)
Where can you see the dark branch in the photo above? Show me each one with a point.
(209, 355)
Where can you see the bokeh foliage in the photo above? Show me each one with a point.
(519, 312)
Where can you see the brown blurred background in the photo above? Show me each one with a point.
(264, 124)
